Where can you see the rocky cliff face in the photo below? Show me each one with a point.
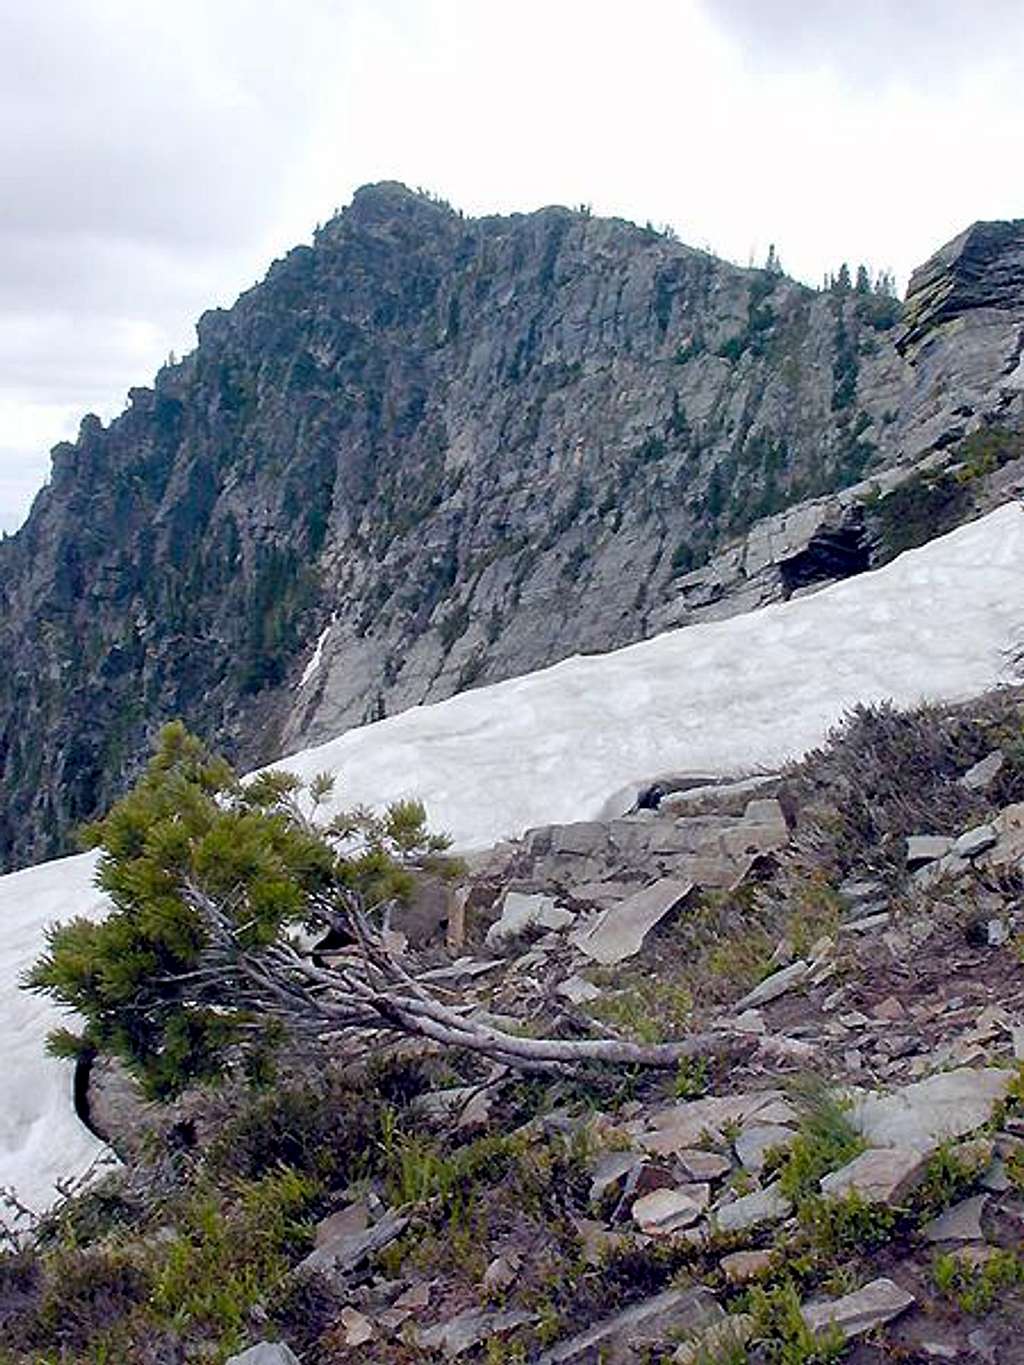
(457, 450)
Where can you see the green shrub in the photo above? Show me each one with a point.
(135, 977)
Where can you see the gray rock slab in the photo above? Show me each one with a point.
(701, 1165)
(586, 837)
(760, 1206)
(520, 912)
(620, 1340)
(344, 1252)
(665, 1211)
(681, 1126)
(577, 990)
(984, 772)
(950, 1104)
(775, 985)
(265, 1353)
(620, 930)
(755, 1142)
(610, 1169)
(974, 841)
(469, 1329)
(961, 1223)
(926, 848)
(876, 1304)
(881, 1175)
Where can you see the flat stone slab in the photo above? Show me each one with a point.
(610, 1169)
(344, 1251)
(761, 1206)
(624, 1337)
(974, 841)
(876, 1304)
(926, 848)
(469, 1329)
(755, 1142)
(950, 1104)
(984, 772)
(961, 1223)
(663, 1212)
(683, 1125)
(620, 930)
(701, 1165)
(775, 985)
(520, 912)
(881, 1175)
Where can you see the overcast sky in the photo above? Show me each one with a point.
(156, 157)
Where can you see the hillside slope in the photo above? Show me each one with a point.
(461, 450)
(576, 740)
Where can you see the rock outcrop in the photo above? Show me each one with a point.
(447, 451)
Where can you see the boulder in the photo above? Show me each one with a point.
(586, 838)
(873, 1306)
(620, 930)
(699, 1165)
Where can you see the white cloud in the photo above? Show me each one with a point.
(156, 157)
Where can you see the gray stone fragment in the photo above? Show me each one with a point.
(577, 990)
(873, 1306)
(947, 1105)
(881, 1175)
(984, 772)
(620, 930)
(469, 1329)
(961, 1223)
(974, 841)
(775, 985)
(755, 1142)
(610, 1169)
(520, 912)
(866, 925)
(761, 1206)
(665, 1211)
(265, 1353)
(621, 1339)
(926, 848)
(343, 1253)
(701, 1165)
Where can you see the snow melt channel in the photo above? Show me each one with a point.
(555, 745)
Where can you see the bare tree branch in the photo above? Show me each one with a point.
(367, 994)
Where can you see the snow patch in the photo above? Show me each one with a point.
(313, 666)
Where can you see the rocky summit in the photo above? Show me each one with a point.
(447, 451)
